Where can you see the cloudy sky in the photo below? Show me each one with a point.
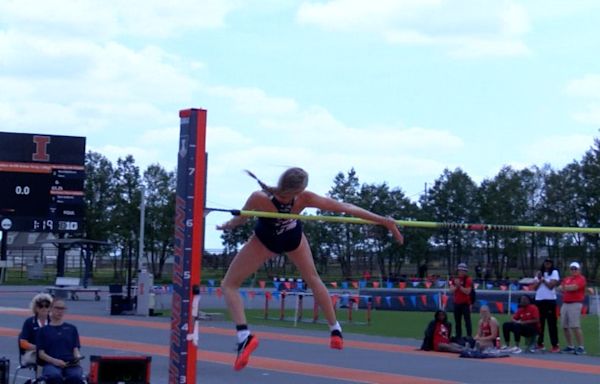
(397, 90)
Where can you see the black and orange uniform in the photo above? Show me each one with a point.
(279, 235)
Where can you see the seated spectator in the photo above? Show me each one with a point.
(40, 306)
(525, 322)
(487, 330)
(438, 333)
(58, 348)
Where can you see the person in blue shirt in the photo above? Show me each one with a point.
(58, 348)
(40, 306)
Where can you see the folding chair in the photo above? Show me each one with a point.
(29, 366)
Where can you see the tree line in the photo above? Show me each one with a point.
(113, 196)
(538, 195)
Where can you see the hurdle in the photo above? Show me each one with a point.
(352, 305)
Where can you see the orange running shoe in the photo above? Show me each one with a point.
(245, 348)
(336, 340)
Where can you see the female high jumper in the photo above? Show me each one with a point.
(276, 236)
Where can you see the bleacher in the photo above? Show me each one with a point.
(71, 287)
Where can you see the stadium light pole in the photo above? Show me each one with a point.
(141, 262)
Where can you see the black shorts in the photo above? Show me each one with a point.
(278, 243)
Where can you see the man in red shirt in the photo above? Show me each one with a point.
(525, 322)
(573, 290)
(461, 288)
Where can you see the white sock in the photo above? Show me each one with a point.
(335, 327)
(242, 335)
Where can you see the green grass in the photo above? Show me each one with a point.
(399, 324)
(101, 277)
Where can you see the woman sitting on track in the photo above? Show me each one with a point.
(276, 236)
(438, 334)
(488, 330)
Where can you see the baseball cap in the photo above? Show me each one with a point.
(574, 265)
(462, 267)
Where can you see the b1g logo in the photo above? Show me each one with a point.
(41, 148)
(6, 224)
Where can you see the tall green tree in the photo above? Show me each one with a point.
(561, 206)
(341, 241)
(506, 200)
(99, 196)
(99, 199)
(452, 198)
(590, 205)
(159, 194)
(126, 218)
(379, 247)
(532, 184)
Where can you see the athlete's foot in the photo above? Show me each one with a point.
(244, 350)
(337, 340)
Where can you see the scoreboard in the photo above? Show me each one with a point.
(41, 182)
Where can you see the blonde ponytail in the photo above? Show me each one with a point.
(292, 180)
(263, 186)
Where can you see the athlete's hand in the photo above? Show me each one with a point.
(390, 223)
(225, 226)
(398, 236)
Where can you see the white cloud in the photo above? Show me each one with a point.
(514, 20)
(254, 101)
(587, 86)
(66, 69)
(558, 150)
(316, 126)
(219, 137)
(38, 117)
(101, 19)
(160, 136)
(465, 28)
(347, 15)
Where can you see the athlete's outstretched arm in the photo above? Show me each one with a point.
(251, 204)
(328, 204)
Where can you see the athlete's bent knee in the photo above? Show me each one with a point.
(227, 285)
